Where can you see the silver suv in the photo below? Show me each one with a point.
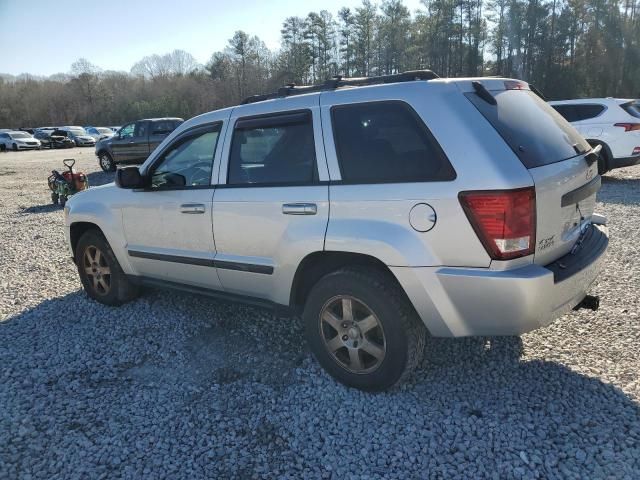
(382, 210)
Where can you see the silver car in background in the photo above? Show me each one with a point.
(79, 136)
(98, 133)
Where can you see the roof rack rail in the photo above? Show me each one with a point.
(338, 81)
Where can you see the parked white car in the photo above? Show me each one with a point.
(16, 140)
(613, 123)
(98, 133)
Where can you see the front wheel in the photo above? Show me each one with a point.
(106, 162)
(55, 198)
(15, 147)
(362, 328)
(100, 273)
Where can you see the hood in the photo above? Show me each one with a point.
(91, 194)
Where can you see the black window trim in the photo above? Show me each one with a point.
(265, 120)
(420, 122)
(183, 136)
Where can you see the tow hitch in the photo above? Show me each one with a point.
(590, 302)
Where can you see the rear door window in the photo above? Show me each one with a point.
(386, 142)
(275, 149)
(536, 133)
(585, 112)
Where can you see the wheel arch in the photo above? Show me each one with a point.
(77, 229)
(318, 264)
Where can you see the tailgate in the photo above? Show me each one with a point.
(565, 200)
(559, 160)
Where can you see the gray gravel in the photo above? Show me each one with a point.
(179, 386)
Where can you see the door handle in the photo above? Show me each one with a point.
(299, 208)
(192, 208)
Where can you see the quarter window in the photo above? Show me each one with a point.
(386, 142)
(273, 150)
(189, 162)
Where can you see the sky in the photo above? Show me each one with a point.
(43, 37)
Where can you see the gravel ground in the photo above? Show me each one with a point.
(181, 386)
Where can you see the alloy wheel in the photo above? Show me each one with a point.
(97, 270)
(352, 334)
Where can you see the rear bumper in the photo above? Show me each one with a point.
(456, 302)
(624, 162)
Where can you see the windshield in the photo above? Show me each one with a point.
(536, 133)
(104, 130)
(20, 135)
(77, 131)
(632, 108)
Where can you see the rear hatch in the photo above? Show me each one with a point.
(564, 171)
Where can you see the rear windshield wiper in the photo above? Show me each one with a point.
(483, 93)
(535, 90)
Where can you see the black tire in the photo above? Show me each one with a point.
(603, 162)
(403, 332)
(603, 158)
(120, 290)
(54, 198)
(3, 148)
(15, 147)
(106, 162)
(62, 200)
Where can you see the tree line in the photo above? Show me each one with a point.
(567, 48)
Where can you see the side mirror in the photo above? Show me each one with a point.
(175, 180)
(130, 177)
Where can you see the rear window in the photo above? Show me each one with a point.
(536, 133)
(632, 108)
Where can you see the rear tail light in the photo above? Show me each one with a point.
(514, 85)
(504, 220)
(628, 127)
(636, 151)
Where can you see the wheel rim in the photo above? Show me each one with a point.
(104, 162)
(352, 334)
(97, 270)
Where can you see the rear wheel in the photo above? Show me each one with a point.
(54, 198)
(15, 147)
(99, 270)
(62, 200)
(3, 147)
(106, 162)
(362, 328)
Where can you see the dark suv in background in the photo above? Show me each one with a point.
(133, 142)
